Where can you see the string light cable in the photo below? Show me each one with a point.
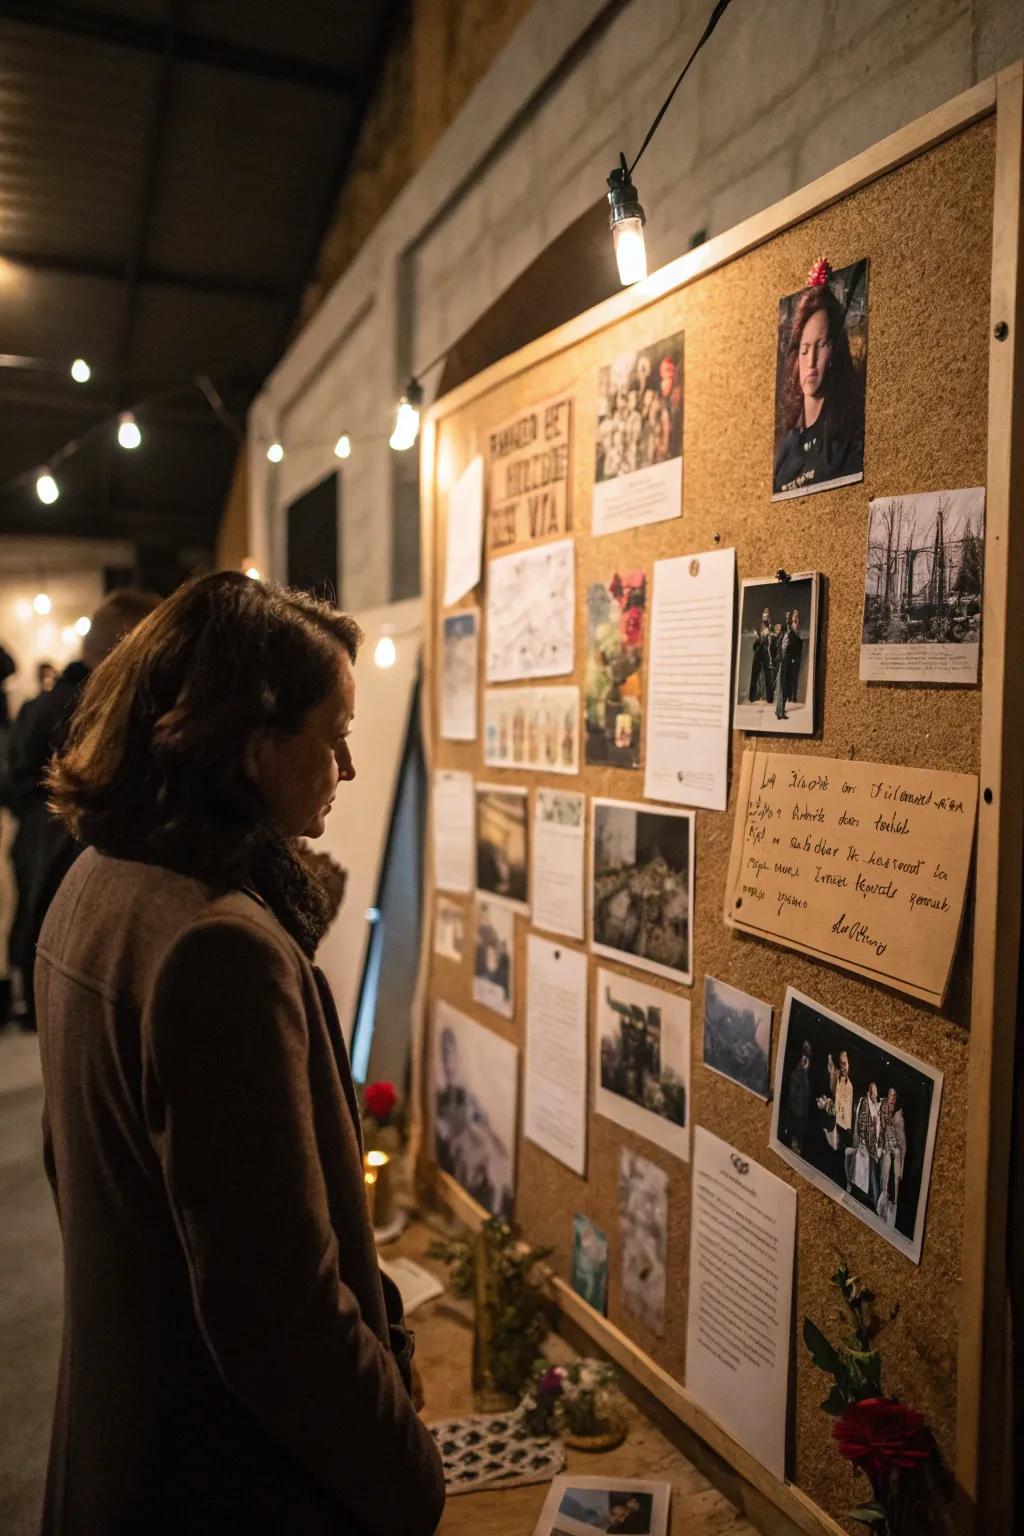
(626, 217)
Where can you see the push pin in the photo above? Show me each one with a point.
(781, 575)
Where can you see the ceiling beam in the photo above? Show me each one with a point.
(148, 37)
(225, 285)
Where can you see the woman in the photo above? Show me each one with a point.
(232, 1360)
(821, 409)
(794, 651)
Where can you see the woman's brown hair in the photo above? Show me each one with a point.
(841, 383)
(154, 762)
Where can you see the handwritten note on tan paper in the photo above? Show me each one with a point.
(861, 864)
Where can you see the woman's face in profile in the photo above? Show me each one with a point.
(298, 774)
(815, 355)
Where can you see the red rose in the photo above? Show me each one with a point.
(380, 1099)
(879, 1435)
(632, 626)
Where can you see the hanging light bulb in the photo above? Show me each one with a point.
(67, 635)
(82, 626)
(128, 434)
(407, 418)
(47, 488)
(385, 654)
(275, 452)
(252, 572)
(41, 603)
(343, 447)
(80, 371)
(626, 220)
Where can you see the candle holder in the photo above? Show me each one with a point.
(380, 1195)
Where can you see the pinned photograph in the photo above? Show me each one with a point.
(857, 1117)
(643, 1237)
(642, 1067)
(449, 929)
(494, 951)
(776, 653)
(614, 677)
(502, 842)
(737, 1036)
(460, 647)
(579, 1506)
(638, 469)
(476, 1082)
(590, 1263)
(821, 369)
(532, 728)
(923, 588)
(642, 887)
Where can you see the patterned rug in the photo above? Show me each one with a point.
(485, 1451)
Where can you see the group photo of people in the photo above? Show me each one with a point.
(857, 1116)
(775, 654)
(640, 410)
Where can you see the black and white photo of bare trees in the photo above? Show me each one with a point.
(923, 587)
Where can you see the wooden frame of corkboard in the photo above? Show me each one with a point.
(937, 209)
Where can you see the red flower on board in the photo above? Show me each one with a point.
(880, 1435)
(380, 1099)
(819, 274)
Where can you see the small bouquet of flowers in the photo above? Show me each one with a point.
(885, 1439)
(580, 1402)
(383, 1118)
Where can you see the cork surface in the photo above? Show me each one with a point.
(926, 228)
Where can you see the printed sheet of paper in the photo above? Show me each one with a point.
(688, 695)
(454, 832)
(530, 492)
(533, 728)
(530, 613)
(742, 1240)
(558, 837)
(460, 649)
(555, 1100)
(861, 864)
(922, 588)
(464, 546)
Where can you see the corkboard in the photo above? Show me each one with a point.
(927, 229)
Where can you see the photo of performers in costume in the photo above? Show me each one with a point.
(820, 378)
(857, 1117)
(777, 628)
(640, 410)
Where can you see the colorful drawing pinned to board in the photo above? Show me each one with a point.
(613, 690)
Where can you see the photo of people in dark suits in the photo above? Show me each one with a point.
(821, 366)
(776, 650)
(857, 1117)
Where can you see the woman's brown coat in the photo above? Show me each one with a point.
(228, 1360)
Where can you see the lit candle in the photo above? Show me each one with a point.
(377, 1174)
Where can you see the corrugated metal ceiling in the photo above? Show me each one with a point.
(167, 168)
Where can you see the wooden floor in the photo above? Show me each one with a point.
(443, 1347)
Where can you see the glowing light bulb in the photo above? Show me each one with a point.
(80, 371)
(47, 488)
(41, 603)
(253, 573)
(67, 635)
(626, 220)
(407, 418)
(630, 251)
(82, 626)
(275, 453)
(128, 434)
(385, 653)
(343, 447)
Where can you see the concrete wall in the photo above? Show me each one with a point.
(785, 90)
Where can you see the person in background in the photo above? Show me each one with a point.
(43, 849)
(46, 676)
(233, 1362)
